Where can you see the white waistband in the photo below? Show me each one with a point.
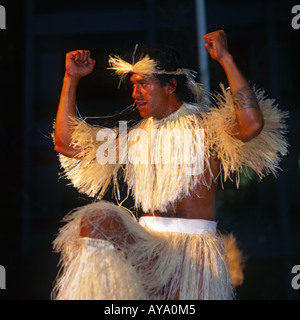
(189, 226)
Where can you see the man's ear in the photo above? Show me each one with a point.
(171, 85)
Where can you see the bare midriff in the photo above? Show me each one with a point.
(199, 206)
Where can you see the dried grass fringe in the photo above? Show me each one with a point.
(155, 266)
(155, 186)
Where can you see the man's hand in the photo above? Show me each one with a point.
(79, 64)
(216, 45)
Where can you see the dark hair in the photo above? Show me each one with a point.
(169, 59)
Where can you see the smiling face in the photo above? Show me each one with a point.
(150, 98)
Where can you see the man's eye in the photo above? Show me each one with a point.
(140, 84)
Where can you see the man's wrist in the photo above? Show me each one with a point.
(226, 60)
(71, 80)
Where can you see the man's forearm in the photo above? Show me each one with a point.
(78, 64)
(243, 95)
(66, 108)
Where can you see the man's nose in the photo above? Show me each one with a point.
(136, 93)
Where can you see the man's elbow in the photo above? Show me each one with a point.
(253, 131)
(64, 150)
(59, 148)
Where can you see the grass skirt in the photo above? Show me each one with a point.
(135, 262)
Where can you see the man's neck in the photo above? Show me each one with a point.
(172, 106)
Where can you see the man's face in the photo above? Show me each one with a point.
(149, 96)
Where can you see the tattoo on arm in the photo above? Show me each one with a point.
(244, 98)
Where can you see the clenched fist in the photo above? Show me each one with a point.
(216, 44)
(79, 64)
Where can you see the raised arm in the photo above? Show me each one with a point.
(78, 64)
(249, 119)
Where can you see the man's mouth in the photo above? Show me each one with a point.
(140, 105)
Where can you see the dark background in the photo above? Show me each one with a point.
(264, 216)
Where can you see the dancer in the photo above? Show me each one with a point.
(171, 162)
